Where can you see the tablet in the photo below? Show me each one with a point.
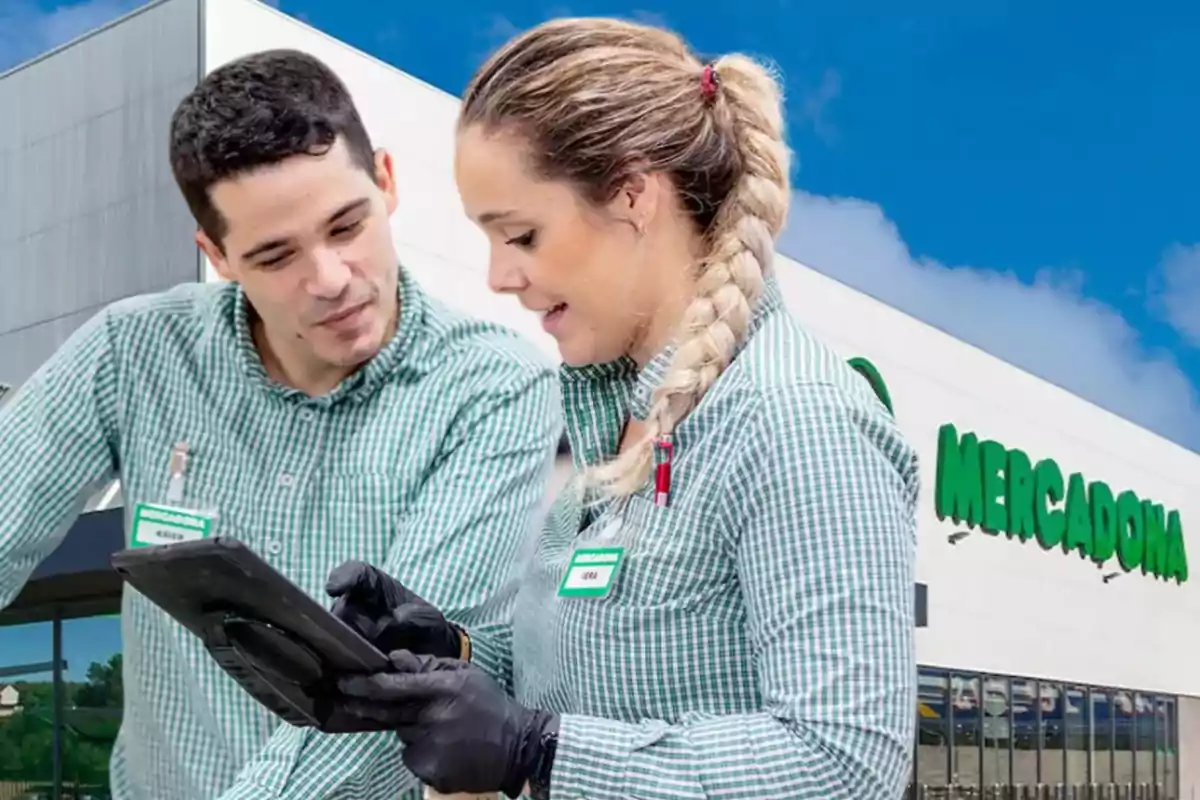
(280, 644)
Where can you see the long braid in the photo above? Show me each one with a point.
(729, 281)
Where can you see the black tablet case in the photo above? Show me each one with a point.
(276, 641)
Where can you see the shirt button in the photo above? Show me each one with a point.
(307, 415)
(274, 547)
(286, 479)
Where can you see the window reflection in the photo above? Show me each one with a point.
(1170, 762)
(1052, 703)
(92, 707)
(992, 730)
(85, 709)
(997, 731)
(933, 739)
(1143, 744)
(965, 698)
(1024, 695)
(1075, 733)
(1102, 736)
(26, 711)
(1123, 737)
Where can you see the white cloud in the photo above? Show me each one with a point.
(27, 31)
(1175, 291)
(1049, 327)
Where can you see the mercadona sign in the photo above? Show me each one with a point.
(1000, 490)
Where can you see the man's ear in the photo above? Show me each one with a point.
(215, 256)
(385, 178)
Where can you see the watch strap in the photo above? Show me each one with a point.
(539, 782)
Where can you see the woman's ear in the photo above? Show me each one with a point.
(636, 201)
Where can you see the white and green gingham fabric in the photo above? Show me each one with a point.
(758, 640)
(430, 462)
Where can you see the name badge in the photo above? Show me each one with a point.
(591, 572)
(160, 524)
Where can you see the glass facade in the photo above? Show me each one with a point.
(976, 732)
(58, 726)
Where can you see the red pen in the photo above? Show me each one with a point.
(664, 450)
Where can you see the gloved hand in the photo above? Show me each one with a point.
(387, 614)
(461, 731)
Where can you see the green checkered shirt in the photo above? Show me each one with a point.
(430, 462)
(758, 639)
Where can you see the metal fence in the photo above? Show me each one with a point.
(1089, 791)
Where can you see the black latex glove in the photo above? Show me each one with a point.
(387, 614)
(461, 731)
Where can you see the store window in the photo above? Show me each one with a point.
(26, 711)
(1026, 721)
(964, 755)
(1103, 720)
(1123, 737)
(79, 714)
(933, 731)
(92, 709)
(1052, 700)
(1169, 775)
(1076, 732)
(1144, 745)
(997, 731)
(978, 731)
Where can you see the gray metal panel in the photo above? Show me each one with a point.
(89, 212)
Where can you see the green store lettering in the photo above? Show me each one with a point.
(985, 485)
(988, 486)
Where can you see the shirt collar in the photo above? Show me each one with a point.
(651, 375)
(360, 384)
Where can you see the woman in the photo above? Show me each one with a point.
(724, 608)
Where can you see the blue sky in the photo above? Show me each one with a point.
(1020, 174)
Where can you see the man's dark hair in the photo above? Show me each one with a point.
(254, 112)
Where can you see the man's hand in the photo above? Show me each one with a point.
(461, 732)
(388, 615)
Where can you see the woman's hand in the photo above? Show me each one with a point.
(461, 732)
(388, 615)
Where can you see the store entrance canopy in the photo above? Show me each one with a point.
(76, 580)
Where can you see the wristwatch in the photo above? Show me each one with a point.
(539, 782)
(464, 641)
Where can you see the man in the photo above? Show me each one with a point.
(318, 406)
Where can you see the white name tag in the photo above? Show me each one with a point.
(157, 524)
(591, 572)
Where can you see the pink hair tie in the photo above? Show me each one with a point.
(709, 82)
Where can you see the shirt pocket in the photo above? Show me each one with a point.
(673, 558)
(356, 515)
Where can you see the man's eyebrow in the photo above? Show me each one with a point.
(493, 216)
(353, 205)
(274, 244)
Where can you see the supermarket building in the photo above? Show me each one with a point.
(1054, 591)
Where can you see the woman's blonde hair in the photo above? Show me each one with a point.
(601, 99)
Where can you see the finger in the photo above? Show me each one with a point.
(392, 687)
(346, 576)
(366, 710)
(417, 616)
(348, 613)
(406, 661)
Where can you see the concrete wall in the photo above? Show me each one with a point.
(88, 211)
